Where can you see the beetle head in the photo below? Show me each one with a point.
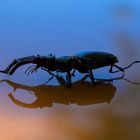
(45, 61)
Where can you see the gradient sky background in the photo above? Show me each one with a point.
(65, 27)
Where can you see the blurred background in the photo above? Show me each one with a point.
(66, 27)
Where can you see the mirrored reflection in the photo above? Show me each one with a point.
(82, 93)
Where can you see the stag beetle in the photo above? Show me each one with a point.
(84, 62)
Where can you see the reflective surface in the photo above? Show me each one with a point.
(101, 112)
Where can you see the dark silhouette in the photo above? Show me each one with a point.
(82, 93)
(84, 62)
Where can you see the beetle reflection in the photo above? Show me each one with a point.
(82, 93)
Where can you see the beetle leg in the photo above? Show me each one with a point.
(60, 79)
(111, 69)
(68, 78)
(120, 69)
(84, 78)
(91, 77)
(72, 74)
(49, 80)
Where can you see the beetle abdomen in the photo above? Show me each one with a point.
(94, 60)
